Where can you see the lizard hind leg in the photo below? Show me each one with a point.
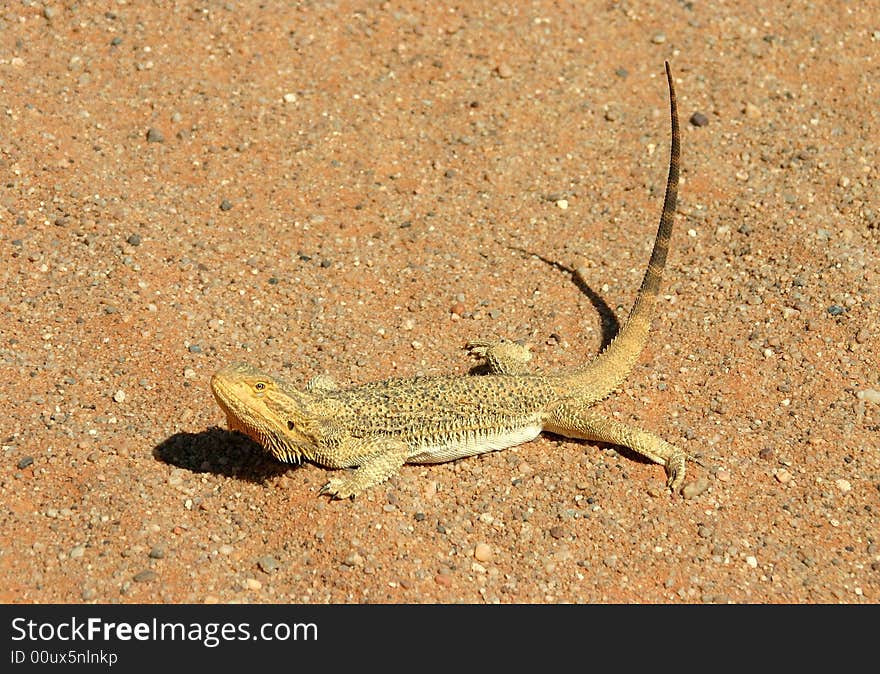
(574, 421)
(501, 356)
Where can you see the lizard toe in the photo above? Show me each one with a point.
(675, 471)
(338, 489)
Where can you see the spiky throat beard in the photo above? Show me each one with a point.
(273, 442)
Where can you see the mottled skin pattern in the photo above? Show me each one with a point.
(377, 427)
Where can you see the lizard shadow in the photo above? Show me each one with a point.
(602, 446)
(222, 452)
(610, 325)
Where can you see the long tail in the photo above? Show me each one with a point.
(609, 369)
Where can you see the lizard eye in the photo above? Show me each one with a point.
(259, 386)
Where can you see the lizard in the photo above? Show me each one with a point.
(377, 427)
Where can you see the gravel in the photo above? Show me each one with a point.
(145, 576)
(120, 246)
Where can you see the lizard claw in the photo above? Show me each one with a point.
(338, 489)
(675, 471)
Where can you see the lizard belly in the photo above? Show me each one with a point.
(473, 443)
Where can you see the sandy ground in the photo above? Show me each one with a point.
(358, 188)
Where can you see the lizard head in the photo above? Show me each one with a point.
(266, 409)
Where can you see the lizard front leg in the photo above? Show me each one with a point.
(376, 459)
(500, 357)
(574, 421)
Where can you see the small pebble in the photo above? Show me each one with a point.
(157, 552)
(836, 310)
(558, 532)
(782, 476)
(155, 136)
(695, 488)
(267, 563)
(195, 348)
(225, 205)
(353, 559)
(504, 71)
(562, 203)
(843, 485)
(290, 98)
(659, 38)
(24, 462)
(870, 394)
(134, 240)
(252, 584)
(752, 562)
(752, 111)
(77, 552)
(482, 552)
(119, 396)
(145, 576)
(699, 119)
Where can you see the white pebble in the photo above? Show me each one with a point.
(482, 552)
(869, 394)
(119, 396)
(843, 485)
(783, 476)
